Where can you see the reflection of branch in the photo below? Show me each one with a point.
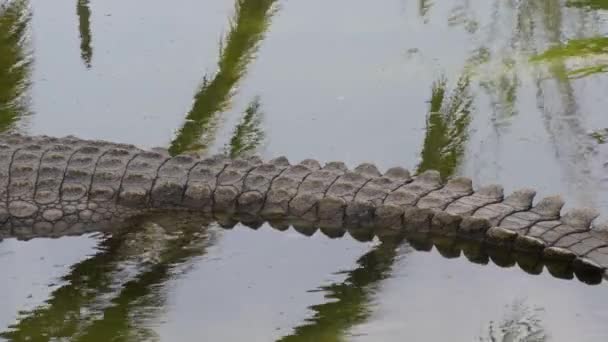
(588, 71)
(460, 16)
(520, 325)
(15, 62)
(347, 302)
(588, 4)
(250, 22)
(248, 134)
(502, 91)
(576, 48)
(424, 6)
(446, 128)
(583, 49)
(84, 26)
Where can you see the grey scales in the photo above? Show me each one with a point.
(52, 187)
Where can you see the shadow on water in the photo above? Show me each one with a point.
(248, 26)
(15, 62)
(83, 11)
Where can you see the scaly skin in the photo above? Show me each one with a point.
(51, 187)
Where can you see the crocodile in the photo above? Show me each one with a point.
(53, 187)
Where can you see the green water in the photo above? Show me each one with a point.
(509, 92)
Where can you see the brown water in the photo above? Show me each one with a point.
(502, 91)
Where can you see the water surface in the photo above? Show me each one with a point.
(509, 92)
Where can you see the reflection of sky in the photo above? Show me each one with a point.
(345, 80)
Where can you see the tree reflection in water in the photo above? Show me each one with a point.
(15, 62)
(83, 11)
(113, 295)
(348, 303)
(237, 51)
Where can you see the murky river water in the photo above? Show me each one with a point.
(505, 91)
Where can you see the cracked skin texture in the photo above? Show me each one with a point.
(51, 187)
